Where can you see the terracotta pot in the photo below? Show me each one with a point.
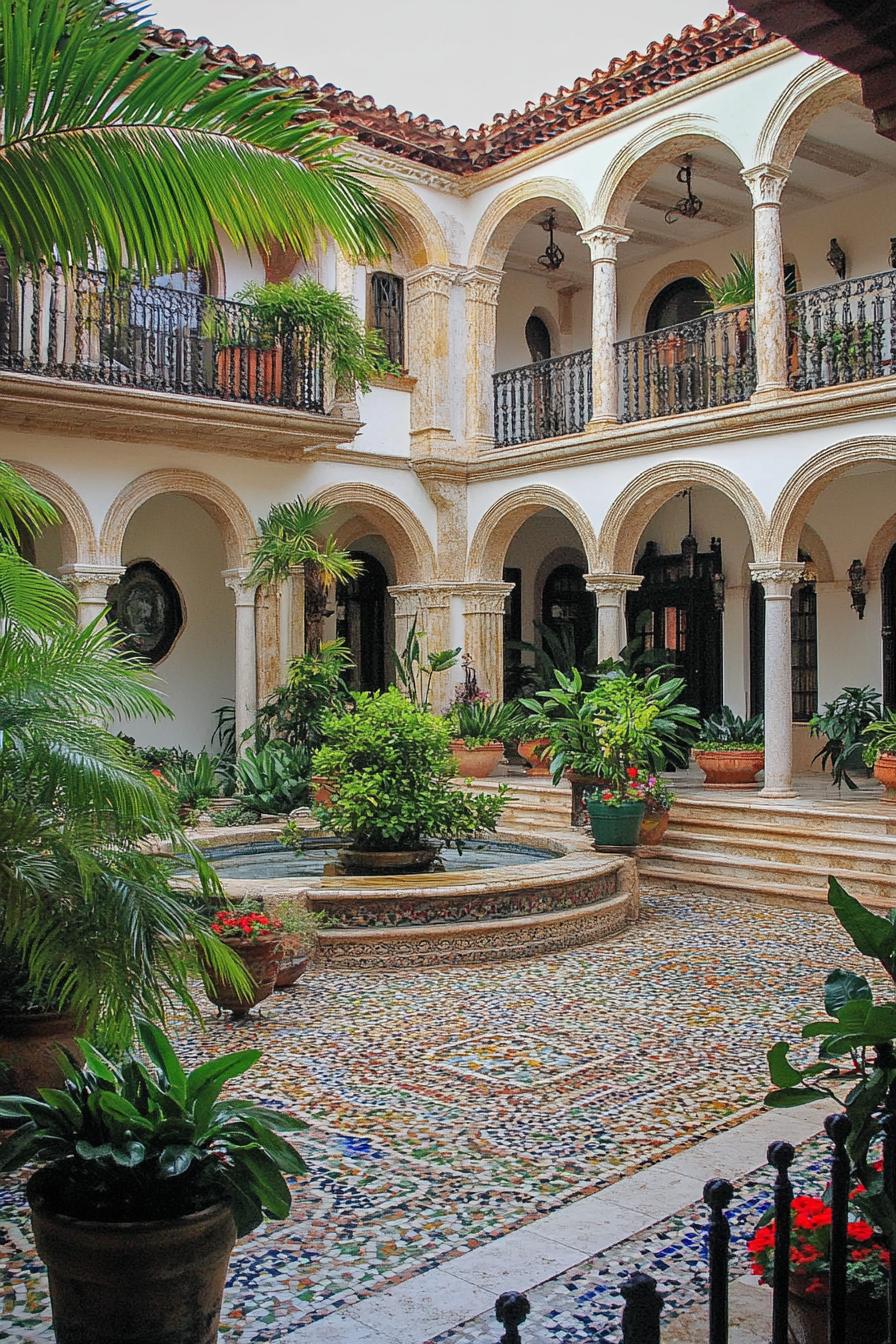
(292, 966)
(243, 371)
(261, 958)
(533, 753)
(134, 1283)
(730, 769)
(885, 771)
(373, 862)
(476, 762)
(866, 1319)
(321, 790)
(654, 826)
(578, 814)
(28, 1049)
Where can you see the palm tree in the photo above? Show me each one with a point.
(114, 151)
(89, 920)
(289, 539)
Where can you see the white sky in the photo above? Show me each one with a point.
(461, 61)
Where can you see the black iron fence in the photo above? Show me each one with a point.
(842, 333)
(695, 365)
(79, 326)
(540, 401)
(840, 1315)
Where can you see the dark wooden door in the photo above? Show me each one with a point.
(361, 606)
(888, 628)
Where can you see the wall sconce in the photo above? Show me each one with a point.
(857, 588)
(552, 257)
(837, 258)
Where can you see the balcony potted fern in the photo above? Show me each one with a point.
(730, 750)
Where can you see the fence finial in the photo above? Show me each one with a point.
(511, 1309)
(641, 1314)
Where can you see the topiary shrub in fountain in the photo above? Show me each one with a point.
(391, 800)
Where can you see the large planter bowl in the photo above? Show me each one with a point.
(654, 825)
(476, 762)
(866, 1319)
(885, 771)
(293, 965)
(377, 862)
(261, 958)
(617, 826)
(730, 769)
(133, 1283)
(29, 1050)
(533, 753)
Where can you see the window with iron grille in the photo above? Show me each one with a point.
(803, 649)
(387, 312)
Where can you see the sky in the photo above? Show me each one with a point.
(461, 61)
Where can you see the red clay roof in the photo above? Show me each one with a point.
(422, 140)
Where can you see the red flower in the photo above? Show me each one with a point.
(860, 1230)
(762, 1240)
(632, 772)
(816, 1285)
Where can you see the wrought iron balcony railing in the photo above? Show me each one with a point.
(81, 327)
(842, 333)
(542, 400)
(693, 366)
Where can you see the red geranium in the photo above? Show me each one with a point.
(810, 1249)
(254, 924)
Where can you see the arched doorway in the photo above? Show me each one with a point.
(888, 628)
(361, 622)
(681, 301)
(568, 610)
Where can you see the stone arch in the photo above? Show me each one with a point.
(506, 214)
(499, 524)
(808, 481)
(882, 543)
(390, 517)
(633, 509)
(79, 546)
(636, 162)
(420, 235)
(809, 93)
(677, 270)
(218, 500)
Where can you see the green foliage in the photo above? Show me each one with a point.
(623, 718)
(737, 288)
(727, 731)
(555, 652)
(842, 721)
(195, 782)
(881, 737)
(315, 686)
(289, 538)
(480, 723)
(414, 674)
(389, 764)
(356, 353)
(274, 778)
(132, 1141)
(114, 152)
(27, 595)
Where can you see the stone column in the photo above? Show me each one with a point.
(90, 585)
(484, 633)
(766, 183)
(610, 591)
(344, 395)
(428, 293)
(602, 242)
(431, 604)
(482, 286)
(296, 586)
(245, 688)
(777, 580)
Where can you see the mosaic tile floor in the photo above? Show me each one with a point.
(448, 1107)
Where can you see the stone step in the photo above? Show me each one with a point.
(859, 817)
(702, 868)
(875, 853)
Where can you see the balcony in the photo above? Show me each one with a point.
(543, 400)
(842, 333)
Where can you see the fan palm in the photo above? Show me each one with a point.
(114, 150)
(289, 538)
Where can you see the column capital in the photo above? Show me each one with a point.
(243, 591)
(482, 284)
(91, 583)
(616, 585)
(426, 595)
(429, 280)
(766, 182)
(778, 576)
(484, 598)
(603, 239)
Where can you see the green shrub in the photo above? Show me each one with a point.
(726, 731)
(315, 686)
(389, 767)
(274, 778)
(843, 721)
(194, 783)
(881, 738)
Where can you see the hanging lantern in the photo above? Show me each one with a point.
(552, 257)
(689, 206)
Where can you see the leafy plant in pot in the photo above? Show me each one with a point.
(390, 769)
(730, 750)
(479, 733)
(880, 753)
(842, 723)
(658, 799)
(623, 717)
(146, 1179)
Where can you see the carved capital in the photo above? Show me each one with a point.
(777, 577)
(766, 182)
(411, 597)
(613, 585)
(485, 599)
(603, 240)
(482, 285)
(236, 581)
(91, 583)
(430, 281)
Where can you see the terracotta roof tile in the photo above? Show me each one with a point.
(426, 140)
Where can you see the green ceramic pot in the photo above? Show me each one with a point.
(617, 826)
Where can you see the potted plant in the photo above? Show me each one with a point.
(730, 750)
(298, 936)
(195, 782)
(145, 1180)
(842, 723)
(392, 801)
(658, 799)
(255, 937)
(564, 716)
(535, 748)
(623, 717)
(880, 753)
(616, 811)
(32, 1029)
(479, 733)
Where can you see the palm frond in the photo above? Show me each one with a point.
(28, 596)
(21, 506)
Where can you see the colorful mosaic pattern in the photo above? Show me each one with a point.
(448, 1107)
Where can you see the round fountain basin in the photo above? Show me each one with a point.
(267, 859)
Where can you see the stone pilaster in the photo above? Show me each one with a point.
(484, 632)
(245, 681)
(295, 585)
(766, 183)
(90, 585)
(602, 243)
(610, 591)
(428, 296)
(482, 285)
(777, 580)
(344, 395)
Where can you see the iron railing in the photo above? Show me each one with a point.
(709, 361)
(540, 401)
(842, 333)
(642, 1312)
(82, 327)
